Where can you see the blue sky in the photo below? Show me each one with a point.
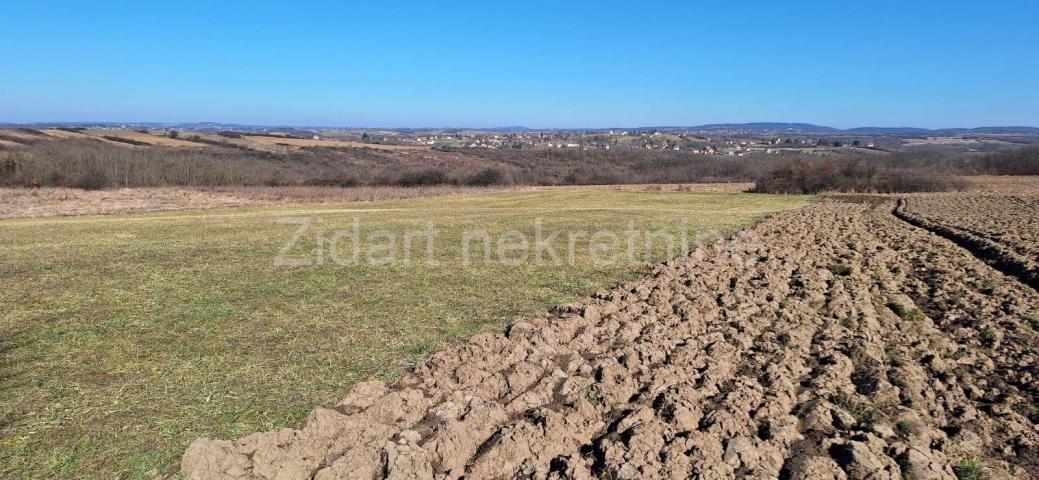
(539, 64)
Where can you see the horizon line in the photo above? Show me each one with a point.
(501, 127)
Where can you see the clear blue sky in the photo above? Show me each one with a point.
(533, 63)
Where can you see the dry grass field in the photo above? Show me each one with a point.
(125, 337)
(55, 202)
(63, 133)
(84, 134)
(1026, 184)
(307, 142)
(139, 137)
(123, 138)
(17, 135)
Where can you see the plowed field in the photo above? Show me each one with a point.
(836, 341)
(1003, 229)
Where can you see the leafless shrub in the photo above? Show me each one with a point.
(93, 163)
(340, 179)
(486, 177)
(568, 167)
(1022, 161)
(86, 163)
(422, 178)
(804, 175)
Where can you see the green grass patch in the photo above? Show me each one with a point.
(840, 270)
(906, 313)
(970, 469)
(126, 337)
(865, 415)
(904, 428)
(987, 335)
(1033, 320)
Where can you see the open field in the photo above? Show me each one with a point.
(940, 141)
(52, 202)
(308, 142)
(93, 135)
(21, 136)
(121, 138)
(1002, 228)
(832, 342)
(133, 137)
(1017, 184)
(125, 337)
(80, 135)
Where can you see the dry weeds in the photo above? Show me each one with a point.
(52, 202)
(1003, 183)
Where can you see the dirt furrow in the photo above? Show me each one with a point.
(831, 342)
(1017, 256)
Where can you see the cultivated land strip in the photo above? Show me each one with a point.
(1003, 230)
(835, 341)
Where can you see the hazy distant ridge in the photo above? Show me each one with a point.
(751, 127)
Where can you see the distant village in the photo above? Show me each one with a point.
(716, 140)
(717, 143)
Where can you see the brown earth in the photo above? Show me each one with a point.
(1003, 229)
(836, 341)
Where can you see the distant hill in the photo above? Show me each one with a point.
(888, 130)
(510, 129)
(1005, 130)
(940, 131)
(790, 127)
(766, 127)
(751, 127)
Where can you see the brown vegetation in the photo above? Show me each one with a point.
(575, 167)
(1021, 184)
(116, 159)
(899, 172)
(804, 175)
(1021, 161)
(140, 139)
(60, 201)
(91, 163)
(48, 202)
